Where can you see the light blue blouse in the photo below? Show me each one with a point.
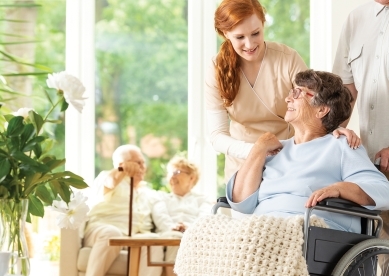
(296, 171)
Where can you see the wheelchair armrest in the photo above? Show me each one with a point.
(340, 203)
(221, 202)
(222, 199)
(342, 206)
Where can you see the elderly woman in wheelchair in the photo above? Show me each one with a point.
(284, 178)
(281, 178)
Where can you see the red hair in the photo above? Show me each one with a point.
(227, 69)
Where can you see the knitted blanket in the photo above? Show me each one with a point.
(218, 245)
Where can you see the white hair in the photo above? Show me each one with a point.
(124, 153)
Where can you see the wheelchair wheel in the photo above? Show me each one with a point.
(369, 257)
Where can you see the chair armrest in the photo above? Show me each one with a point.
(70, 246)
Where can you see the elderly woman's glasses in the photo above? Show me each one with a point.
(176, 172)
(295, 92)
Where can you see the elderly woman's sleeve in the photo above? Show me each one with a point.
(357, 168)
(246, 206)
(160, 214)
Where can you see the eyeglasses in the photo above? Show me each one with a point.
(297, 91)
(176, 172)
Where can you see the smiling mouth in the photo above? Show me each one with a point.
(251, 51)
(291, 109)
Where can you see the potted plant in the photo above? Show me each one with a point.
(30, 177)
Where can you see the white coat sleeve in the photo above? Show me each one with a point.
(220, 138)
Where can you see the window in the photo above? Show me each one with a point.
(141, 50)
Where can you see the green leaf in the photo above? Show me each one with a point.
(64, 105)
(38, 150)
(18, 42)
(66, 174)
(62, 189)
(35, 206)
(26, 74)
(27, 134)
(34, 180)
(24, 159)
(55, 187)
(15, 126)
(36, 120)
(22, 61)
(5, 167)
(65, 193)
(33, 142)
(53, 163)
(54, 121)
(76, 183)
(43, 193)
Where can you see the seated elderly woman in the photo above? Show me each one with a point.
(281, 178)
(180, 208)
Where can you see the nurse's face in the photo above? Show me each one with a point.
(247, 38)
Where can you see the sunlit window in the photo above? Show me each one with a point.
(141, 81)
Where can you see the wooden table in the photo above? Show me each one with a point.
(135, 245)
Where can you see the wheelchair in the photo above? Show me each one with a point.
(338, 253)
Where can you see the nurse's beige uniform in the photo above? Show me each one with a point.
(256, 109)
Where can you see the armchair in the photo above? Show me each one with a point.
(74, 257)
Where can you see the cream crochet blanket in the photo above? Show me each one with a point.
(218, 245)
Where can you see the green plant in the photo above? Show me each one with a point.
(27, 169)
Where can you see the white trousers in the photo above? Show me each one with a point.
(103, 255)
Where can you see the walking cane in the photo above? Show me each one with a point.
(130, 221)
(131, 195)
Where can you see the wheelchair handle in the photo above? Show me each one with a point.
(222, 202)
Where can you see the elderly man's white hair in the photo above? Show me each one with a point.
(124, 153)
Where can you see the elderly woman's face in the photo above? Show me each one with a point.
(299, 109)
(180, 180)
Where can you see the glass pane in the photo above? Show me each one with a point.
(34, 32)
(141, 81)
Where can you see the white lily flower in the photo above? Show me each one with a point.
(73, 215)
(22, 112)
(71, 87)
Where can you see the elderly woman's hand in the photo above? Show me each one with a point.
(319, 195)
(269, 143)
(345, 190)
(180, 227)
(352, 138)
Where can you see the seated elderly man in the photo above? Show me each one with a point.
(109, 215)
(281, 178)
